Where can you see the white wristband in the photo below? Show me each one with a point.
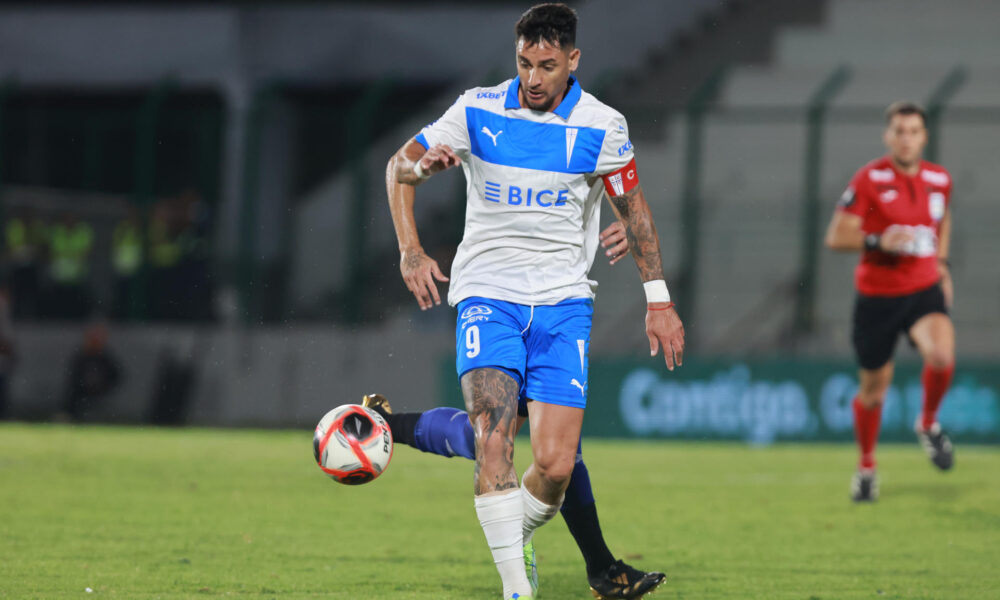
(420, 172)
(656, 291)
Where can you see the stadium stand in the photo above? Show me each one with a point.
(752, 192)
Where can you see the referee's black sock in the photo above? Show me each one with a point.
(586, 530)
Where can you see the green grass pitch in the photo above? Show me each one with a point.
(152, 513)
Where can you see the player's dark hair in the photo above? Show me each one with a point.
(903, 107)
(553, 22)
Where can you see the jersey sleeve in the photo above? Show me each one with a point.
(616, 162)
(450, 130)
(856, 199)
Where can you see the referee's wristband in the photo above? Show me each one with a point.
(873, 241)
(419, 172)
(656, 291)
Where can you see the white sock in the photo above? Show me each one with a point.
(536, 513)
(501, 517)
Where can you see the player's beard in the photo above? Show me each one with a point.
(545, 105)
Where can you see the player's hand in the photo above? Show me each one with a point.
(896, 238)
(419, 272)
(438, 158)
(664, 329)
(615, 242)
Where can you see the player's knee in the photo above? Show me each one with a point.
(555, 468)
(872, 394)
(939, 358)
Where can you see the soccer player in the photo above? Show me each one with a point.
(447, 432)
(538, 153)
(896, 212)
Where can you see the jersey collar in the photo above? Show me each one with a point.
(565, 107)
(892, 165)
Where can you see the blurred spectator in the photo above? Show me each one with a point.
(174, 383)
(165, 251)
(7, 354)
(195, 285)
(70, 244)
(25, 241)
(94, 373)
(126, 261)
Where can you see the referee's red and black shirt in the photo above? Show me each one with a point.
(884, 196)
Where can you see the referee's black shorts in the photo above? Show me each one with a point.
(878, 321)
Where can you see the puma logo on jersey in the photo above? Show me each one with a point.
(493, 136)
(579, 385)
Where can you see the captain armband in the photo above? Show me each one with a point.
(617, 183)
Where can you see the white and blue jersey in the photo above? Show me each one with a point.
(534, 191)
(520, 276)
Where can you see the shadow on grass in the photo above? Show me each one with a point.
(943, 491)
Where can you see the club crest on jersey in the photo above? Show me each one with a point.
(476, 310)
(935, 205)
(570, 142)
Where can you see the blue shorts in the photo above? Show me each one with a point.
(545, 348)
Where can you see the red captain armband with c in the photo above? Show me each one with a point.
(617, 183)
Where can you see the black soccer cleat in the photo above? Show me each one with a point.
(623, 581)
(864, 486)
(937, 445)
(378, 403)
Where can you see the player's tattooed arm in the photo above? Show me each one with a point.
(419, 271)
(640, 231)
(491, 399)
(663, 326)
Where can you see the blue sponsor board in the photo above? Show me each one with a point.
(766, 401)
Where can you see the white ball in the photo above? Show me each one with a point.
(352, 444)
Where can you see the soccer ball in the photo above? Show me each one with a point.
(352, 444)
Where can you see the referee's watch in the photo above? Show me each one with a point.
(873, 241)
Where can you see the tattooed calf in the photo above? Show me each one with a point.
(491, 399)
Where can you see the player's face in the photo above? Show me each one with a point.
(906, 137)
(544, 70)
